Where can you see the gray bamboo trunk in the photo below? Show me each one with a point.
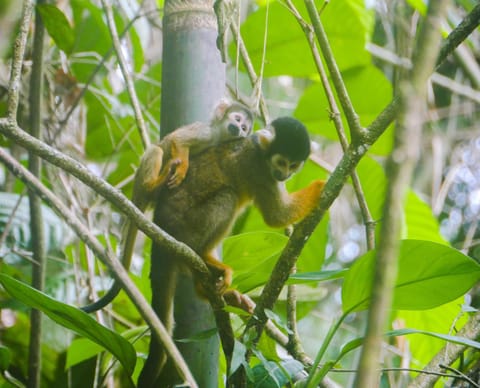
(193, 81)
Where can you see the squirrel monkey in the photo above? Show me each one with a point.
(166, 164)
(220, 183)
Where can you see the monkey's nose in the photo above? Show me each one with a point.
(233, 129)
(280, 176)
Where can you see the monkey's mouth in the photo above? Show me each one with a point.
(280, 176)
(233, 129)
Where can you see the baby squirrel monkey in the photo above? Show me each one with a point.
(220, 183)
(166, 164)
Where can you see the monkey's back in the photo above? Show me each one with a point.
(220, 181)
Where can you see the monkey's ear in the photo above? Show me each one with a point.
(264, 137)
(221, 108)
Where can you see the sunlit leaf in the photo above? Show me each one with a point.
(313, 108)
(74, 319)
(252, 256)
(57, 26)
(287, 51)
(429, 275)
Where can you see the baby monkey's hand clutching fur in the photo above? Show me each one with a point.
(166, 164)
(220, 183)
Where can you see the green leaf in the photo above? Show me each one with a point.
(313, 108)
(203, 335)
(357, 342)
(5, 358)
(272, 374)
(238, 356)
(56, 231)
(421, 224)
(57, 26)
(81, 349)
(320, 276)
(438, 320)
(252, 256)
(73, 319)
(287, 50)
(429, 275)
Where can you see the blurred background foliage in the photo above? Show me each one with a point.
(87, 114)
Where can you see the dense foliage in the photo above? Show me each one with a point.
(88, 115)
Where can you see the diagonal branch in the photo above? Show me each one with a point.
(400, 165)
(107, 6)
(332, 189)
(108, 258)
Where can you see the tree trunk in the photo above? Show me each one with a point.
(193, 81)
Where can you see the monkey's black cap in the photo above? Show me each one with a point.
(291, 139)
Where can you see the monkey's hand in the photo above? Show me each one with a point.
(178, 172)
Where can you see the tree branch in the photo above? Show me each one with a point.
(107, 257)
(332, 189)
(107, 6)
(447, 355)
(405, 153)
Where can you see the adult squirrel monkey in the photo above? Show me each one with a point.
(220, 183)
(166, 164)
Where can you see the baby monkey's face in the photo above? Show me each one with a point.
(239, 123)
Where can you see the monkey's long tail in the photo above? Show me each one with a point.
(127, 252)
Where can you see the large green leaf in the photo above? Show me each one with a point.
(421, 224)
(313, 108)
(353, 344)
(438, 320)
(252, 256)
(429, 275)
(73, 319)
(57, 26)
(272, 374)
(55, 230)
(287, 50)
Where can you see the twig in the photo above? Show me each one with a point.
(35, 205)
(126, 75)
(356, 130)
(250, 70)
(460, 375)
(17, 60)
(335, 116)
(406, 150)
(448, 354)
(107, 257)
(332, 189)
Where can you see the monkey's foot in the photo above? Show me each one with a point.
(236, 299)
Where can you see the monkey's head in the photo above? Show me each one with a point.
(234, 117)
(287, 145)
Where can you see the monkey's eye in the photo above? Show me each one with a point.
(244, 127)
(237, 118)
(282, 163)
(294, 166)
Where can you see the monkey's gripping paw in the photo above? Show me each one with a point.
(178, 170)
(236, 299)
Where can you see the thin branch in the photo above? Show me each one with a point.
(400, 165)
(35, 205)
(331, 191)
(126, 74)
(447, 355)
(107, 257)
(356, 130)
(335, 116)
(17, 60)
(250, 69)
